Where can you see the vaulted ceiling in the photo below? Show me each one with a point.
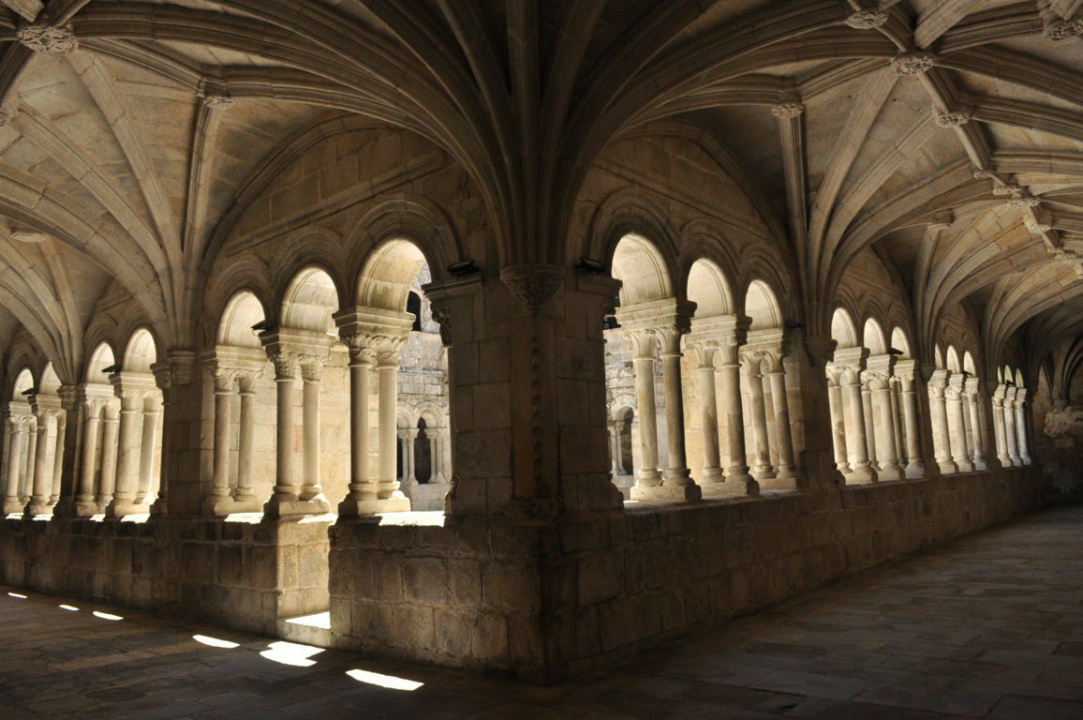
(947, 134)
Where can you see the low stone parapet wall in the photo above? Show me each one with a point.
(544, 603)
(244, 575)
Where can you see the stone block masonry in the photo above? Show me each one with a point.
(545, 603)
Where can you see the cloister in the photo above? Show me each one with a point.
(522, 337)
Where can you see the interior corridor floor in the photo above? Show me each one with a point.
(990, 626)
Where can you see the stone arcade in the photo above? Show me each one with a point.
(520, 336)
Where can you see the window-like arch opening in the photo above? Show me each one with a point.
(765, 395)
(642, 270)
(101, 360)
(873, 338)
(405, 376)
(843, 331)
(235, 328)
(709, 289)
(900, 344)
(243, 390)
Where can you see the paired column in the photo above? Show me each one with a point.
(409, 458)
(761, 453)
(878, 379)
(938, 410)
(660, 325)
(849, 364)
(374, 338)
(776, 373)
(234, 372)
(712, 458)
(738, 479)
(1010, 429)
(48, 414)
(133, 391)
(915, 466)
(291, 350)
(960, 451)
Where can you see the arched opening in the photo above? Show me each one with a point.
(242, 391)
(766, 395)
(643, 369)
(715, 396)
(402, 373)
(843, 331)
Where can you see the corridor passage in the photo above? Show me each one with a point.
(988, 627)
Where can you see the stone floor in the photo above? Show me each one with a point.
(989, 627)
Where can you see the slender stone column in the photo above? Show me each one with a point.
(869, 418)
(960, 453)
(838, 419)
(1021, 425)
(999, 430)
(712, 458)
(247, 437)
(738, 479)
(43, 469)
(915, 466)
(762, 469)
(311, 373)
(896, 419)
(973, 406)
(1010, 428)
(614, 448)
(643, 367)
(938, 411)
(58, 455)
(861, 470)
(787, 467)
(362, 488)
(387, 368)
(677, 474)
(30, 456)
(285, 490)
(409, 457)
(223, 429)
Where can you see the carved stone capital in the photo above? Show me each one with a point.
(913, 63)
(788, 110)
(1059, 30)
(1035, 226)
(866, 19)
(1023, 200)
(218, 100)
(48, 39)
(952, 119)
(533, 285)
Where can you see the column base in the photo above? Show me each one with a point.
(711, 476)
(861, 475)
(1017, 462)
(120, 508)
(763, 473)
(13, 507)
(980, 466)
(964, 465)
(354, 507)
(732, 487)
(35, 508)
(947, 467)
(277, 508)
(780, 483)
(890, 471)
(668, 493)
(648, 478)
(915, 470)
(222, 505)
(1025, 459)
